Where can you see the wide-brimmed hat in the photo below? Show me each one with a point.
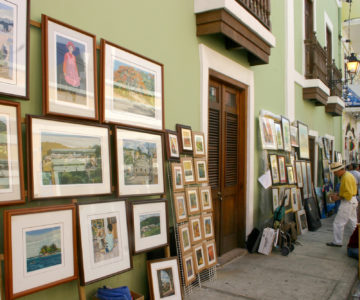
(336, 166)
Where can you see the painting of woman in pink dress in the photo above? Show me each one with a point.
(70, 69)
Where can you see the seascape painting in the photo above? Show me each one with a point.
(140, 162)
(166, 282)
(70, 159)
(71, 70)
(105, 239)
(8, 12)
(133, 89)
(150, 225)
(4, 154)
(43, 248)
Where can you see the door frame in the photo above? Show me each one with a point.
(212, 60)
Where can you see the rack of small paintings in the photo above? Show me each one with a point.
(192, 207)
(286, 147)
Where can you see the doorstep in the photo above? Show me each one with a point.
(231, 255)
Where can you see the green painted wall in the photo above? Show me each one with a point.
(299, 35)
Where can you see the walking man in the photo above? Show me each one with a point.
(347, 210)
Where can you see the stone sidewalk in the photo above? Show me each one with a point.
(312, 271)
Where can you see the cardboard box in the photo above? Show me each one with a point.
(135, 296)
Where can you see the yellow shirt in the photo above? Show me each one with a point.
(347, 186)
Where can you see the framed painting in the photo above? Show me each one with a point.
(200, 258)
(180, 207)
(104, 240)
(177, 176)
(140, 163)
(294, 139)
(69, 70)
(299, 199)
(11, 159)
(299, 177)
(275, 199)
(189, 268)
(172, 145)
(188, 168)
(68, 158)
(303, 141)
(285, 124)
(195, 226)
(282, 169)
(287, 203)
(40, 248)
(205, 199)
(279, 137)
(210, 253)
(14, 48)
(309, 178)
(305, 180)
(267, 133)
(294, 200)
(192, 200)
(326, 170)
(301, 221)
(164, 279)
(150, 224)
(208, 226)
(132, 88)
(184, 234)
(290, 174)
(201, 173)
(274, 168)
(198, 141)
(185, 139)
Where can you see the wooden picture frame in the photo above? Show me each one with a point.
(103, 229)
(55, 146)
(54, 230)
(299, 177)
(287, 203)
(188, 168)
(282, 169)
(294, 137)
(198, 141)
(303, 131)
(208, 226)
(294, 200)
(205, 199)
(192, 200)
(149, 225)
(201, 170)
(177, 175)
(200, 258)
(185, 139)
(309, 178)
(279, 136)
(131, 102)
(14, 80)
(195, 226)
(69, 70)
(12, 168)
(274, 167)
(164, 278)
(184, 237)
(298, 195)
(285, 125)
(305, 180)
(290, 174)
(139, 161)
(210, 253)
(301, 221)
(267, 133)
(275, 199)
(189, 268)
(180, 207)
(172, 145)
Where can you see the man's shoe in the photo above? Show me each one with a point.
(331, 244)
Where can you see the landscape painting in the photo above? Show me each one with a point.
(133, 89)
(150, 225)
(70, 159)
(166, 282)
(4, 154)
(105, 239)
(43, 248)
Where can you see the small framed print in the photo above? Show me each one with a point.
(290, 174)
(208, 226)
(11, 159)
(164, 279)
(172, 145)
(189, 268)
(185, 241)
(177, 175)
(40, 248)
(140, 162)
(279, 137)
(150, 225)
(308, 170)
(294, 200)
(299, 176)
(267, 133)
(303, 141)
(198, 141)
(188, 168)
(132, 88)
(275, 198)
(196, 233)
(294, 139)
(200, 258)
(205, 199)
(104, 240)
(299, 199)
(210, 253)
(301, 221)
(274, 168)
(185, 139)
(287, 203)
(68, 158)
(201, 173)
(180, 207)
(192, 200)
(285, 124)
(69, 69)
(15, 36)
(282, 169)
(305, 180)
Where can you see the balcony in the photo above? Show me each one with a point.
(242, 24)
(334, 74)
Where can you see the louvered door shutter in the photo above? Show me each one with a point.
(231, 158)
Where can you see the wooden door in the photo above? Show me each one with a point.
(226, 159)
(309, 19)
